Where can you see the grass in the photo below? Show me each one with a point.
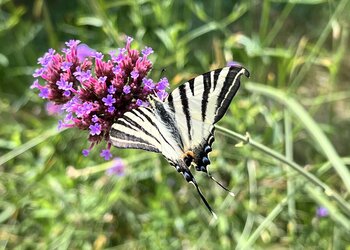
(282, 147)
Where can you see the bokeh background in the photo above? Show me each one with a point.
(291, 179)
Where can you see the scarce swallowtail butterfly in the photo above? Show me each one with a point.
(181, 127)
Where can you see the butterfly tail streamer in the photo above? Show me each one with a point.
(225, 188)
(203, 199)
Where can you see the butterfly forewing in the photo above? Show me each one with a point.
(144, 128)
(137, 129)
(202, 101)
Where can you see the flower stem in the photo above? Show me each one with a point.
(312, 178)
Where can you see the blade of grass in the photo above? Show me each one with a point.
(313, 179)
(290, 183)
(274, 213)
(316, 49)
(28, 145)
(252, 204)
(310, 125)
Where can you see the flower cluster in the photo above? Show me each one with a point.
(92, 92)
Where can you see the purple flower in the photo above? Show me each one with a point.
(68, 118)
(95, 129)
(35, 85)
(83, 109)
(148, 84)
(91, 90)
(82, 75)
(139, 102)
(85, 152)
(118, 168)
(64, 85)
(162, 95)
(39, 72)
(129, 39)
(322, 212)
(111, 109)
(66, 93)
(44, 92)
(46, 59)
(116, 69)
(61, 125)
(232, 63)
(162, 84)
(134, 74)
(147, 51)
(111, 89)
(72, 43)
(102, 79)
(66, 66)
(106, 153)
(109, 100)
(97, 55)
(126, 89)
(94, 118)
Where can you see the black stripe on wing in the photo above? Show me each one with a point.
(207, 86)
(136, 130)
(185, 109)
(228, 90)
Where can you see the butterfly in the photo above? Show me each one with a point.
(181, 127)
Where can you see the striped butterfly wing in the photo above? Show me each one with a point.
(200, 103)
(137, 129)
(148, 128)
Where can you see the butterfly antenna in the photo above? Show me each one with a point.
(203, 199)
(225, 188)
(162, 72)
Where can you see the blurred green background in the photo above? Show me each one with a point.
(295, 108)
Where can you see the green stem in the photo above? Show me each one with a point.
(325, 188)
(308, 123)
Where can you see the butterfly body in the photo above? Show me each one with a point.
(181, 127)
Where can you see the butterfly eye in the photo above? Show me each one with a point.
(207, 149)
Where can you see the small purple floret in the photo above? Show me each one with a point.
(139, 102)
(322, 212)
(126, 89)
(163, 84)
(95, 129)
(106, 154)
(44, 93)
(134, 74)
(118, 168)
(66, 66)
(147, 51)
(85, 152)
(111, 89)
(109, 100)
